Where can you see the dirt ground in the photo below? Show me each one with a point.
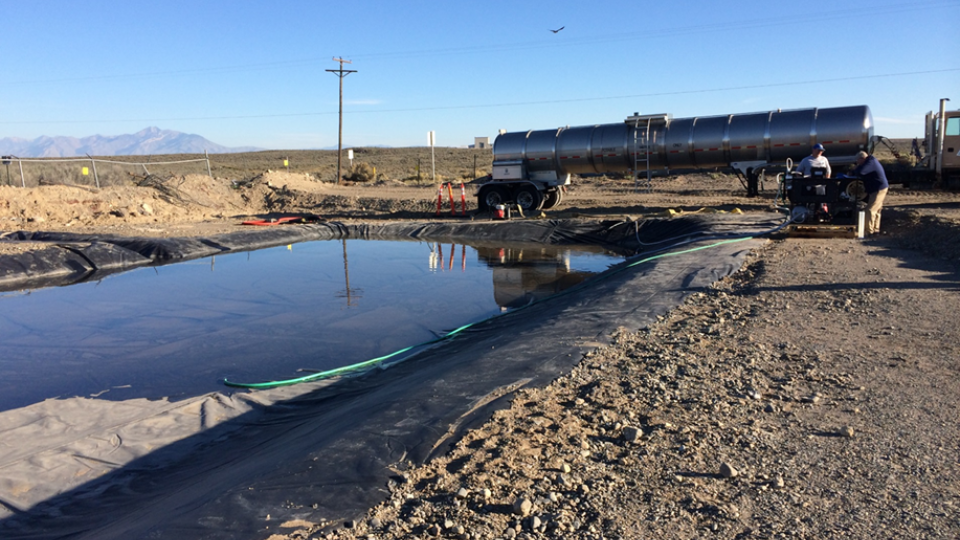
(814, 394)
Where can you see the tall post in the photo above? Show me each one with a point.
(943, 124)
(341, 73)
(96, 178)
(431, 138)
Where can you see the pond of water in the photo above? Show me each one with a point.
(179, 330)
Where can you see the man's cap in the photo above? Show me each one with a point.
(818, 146)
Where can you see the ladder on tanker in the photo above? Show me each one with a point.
(641, 154)
(644, 127)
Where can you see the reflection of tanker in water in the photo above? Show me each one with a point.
(522, 276)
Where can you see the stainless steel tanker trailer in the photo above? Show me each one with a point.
(531, 168)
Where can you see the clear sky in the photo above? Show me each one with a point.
(252, 73)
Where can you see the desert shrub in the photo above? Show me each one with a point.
(467, 176)
(362, 172)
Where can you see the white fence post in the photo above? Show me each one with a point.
(96, 179)
(431, 137)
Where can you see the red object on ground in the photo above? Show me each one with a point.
(282, 220)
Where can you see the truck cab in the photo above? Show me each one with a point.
(950, 160)
(942, 144)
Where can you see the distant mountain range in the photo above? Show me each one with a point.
(151, 140)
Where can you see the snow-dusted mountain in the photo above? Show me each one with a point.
(152, 140)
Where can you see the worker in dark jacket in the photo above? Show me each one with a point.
(875, 184)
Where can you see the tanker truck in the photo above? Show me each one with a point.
(531, 169)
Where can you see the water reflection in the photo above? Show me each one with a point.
(523, 276)
(520, 275)
(437, 260)
(348, 292)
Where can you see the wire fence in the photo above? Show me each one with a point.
(92, 172)
(408, 165)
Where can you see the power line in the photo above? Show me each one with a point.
(205, 71)
(660, 94)
(507, 104)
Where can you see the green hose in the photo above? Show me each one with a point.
(340, 370)
(374, 361)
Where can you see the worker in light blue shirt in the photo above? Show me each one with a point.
(875, 184)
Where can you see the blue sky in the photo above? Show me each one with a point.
(244, 73)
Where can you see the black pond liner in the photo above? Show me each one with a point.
(328, 454)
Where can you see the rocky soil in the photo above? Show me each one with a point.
(814, 394)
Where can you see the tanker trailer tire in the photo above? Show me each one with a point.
(491, 196)
(553, 198)
(528, 198)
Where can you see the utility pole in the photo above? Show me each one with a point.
(341, 73)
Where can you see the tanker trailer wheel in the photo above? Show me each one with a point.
(528, 198)
(491, 196)
(553, 198)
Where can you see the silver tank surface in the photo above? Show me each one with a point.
(689, 143)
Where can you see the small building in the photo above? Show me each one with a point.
(481, 142)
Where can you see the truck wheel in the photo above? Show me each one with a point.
(553, 198)
(490, 196)
(528, 198)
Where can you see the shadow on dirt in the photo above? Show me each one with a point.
(934, 236)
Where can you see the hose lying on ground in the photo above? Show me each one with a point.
(724, 239)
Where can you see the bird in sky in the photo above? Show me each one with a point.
(558, 29)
